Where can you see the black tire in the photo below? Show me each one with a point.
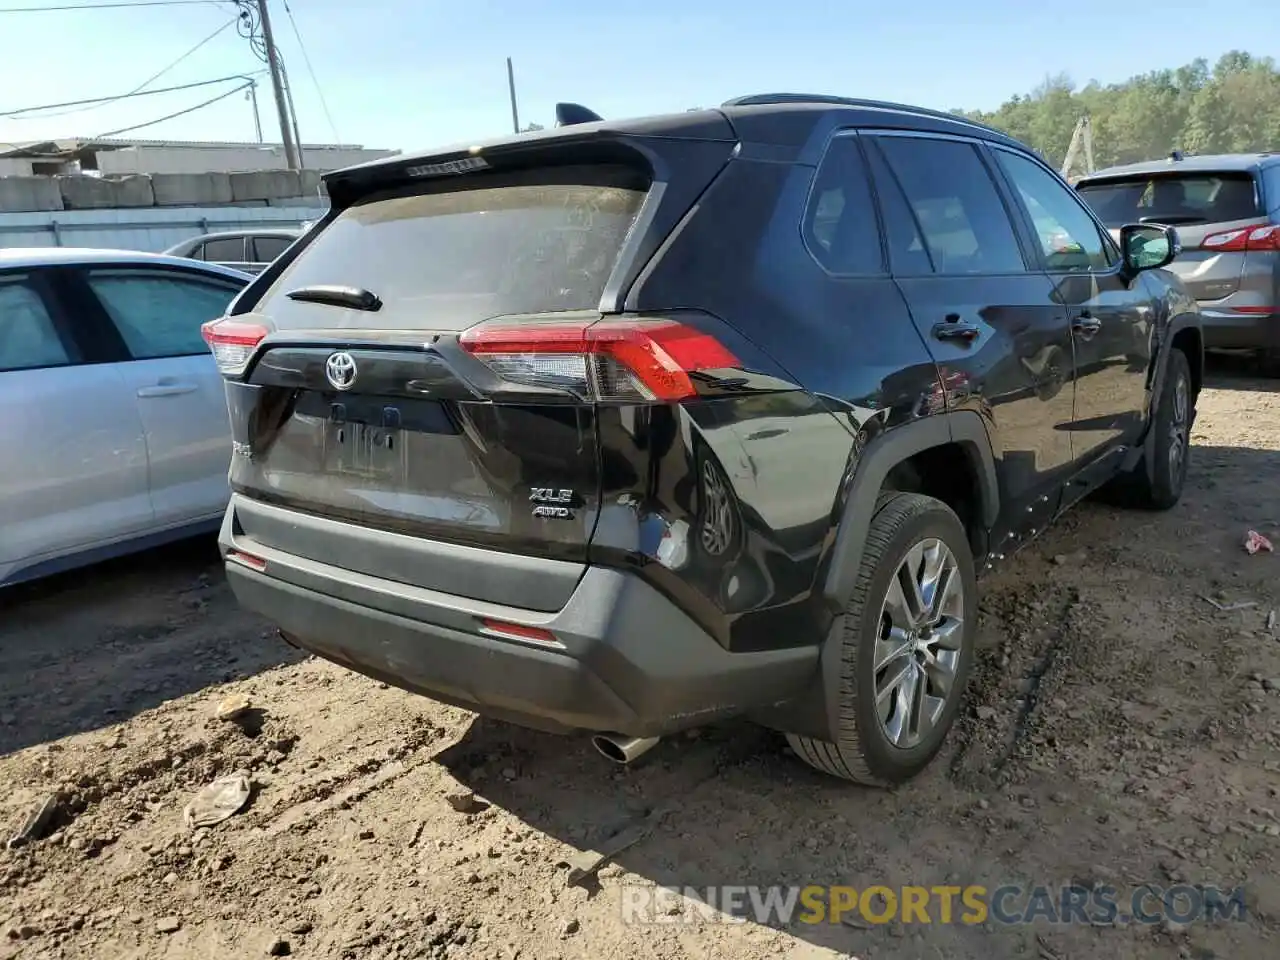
(863, 750)
(1160, 487)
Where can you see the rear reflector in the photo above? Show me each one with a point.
(246, 560)
(519, 631)
(1265, 237)
(233, 343)
(625, 359)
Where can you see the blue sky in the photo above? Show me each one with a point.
(416, 73)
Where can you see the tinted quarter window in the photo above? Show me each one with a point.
(159, 314)
(965, 226)
(1068, 237)
(267, 249)
(28, 337)
(226, 250)
(1173, 198)
(840, 223)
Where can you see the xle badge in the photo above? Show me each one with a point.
(551, 503)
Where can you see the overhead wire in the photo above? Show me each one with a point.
(175, 115)
(140, 93)
(108, 5)
(136, 90)
(306, 59)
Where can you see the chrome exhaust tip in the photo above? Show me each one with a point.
(622, 750)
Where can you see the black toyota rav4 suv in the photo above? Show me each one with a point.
(625, 427)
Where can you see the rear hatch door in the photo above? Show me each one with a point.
(1200, 205)
(360, 408)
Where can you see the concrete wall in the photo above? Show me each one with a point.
(226, 158)
(25, 194)
(152, 229)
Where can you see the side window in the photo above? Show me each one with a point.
(1271, 186)
(1068, 236)
(28, 336)
(908, 256)
(966, 229)
(225, 250)
(159, 314)
(267, 249)
(840, 222)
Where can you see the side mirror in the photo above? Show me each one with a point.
(1148, 246)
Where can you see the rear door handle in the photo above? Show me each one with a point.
(167, 389)
(1086, 326)
(954, 330)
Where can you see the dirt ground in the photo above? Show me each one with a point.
(1121, 729)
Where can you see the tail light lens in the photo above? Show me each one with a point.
(618, 360)
(233, 343)
(1265, 237)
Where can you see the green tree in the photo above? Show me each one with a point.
(1235, 107)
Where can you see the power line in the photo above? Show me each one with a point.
(140, 87)
(324, 104)
(173, 116)
(110, 5)
(140, 93)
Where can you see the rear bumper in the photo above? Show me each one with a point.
(626, 660)
(1227, 330)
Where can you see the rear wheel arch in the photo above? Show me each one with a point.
(891, 455)
(894, 457)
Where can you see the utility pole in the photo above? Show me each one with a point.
(293, 115)
(511, 86)
(257, 117)
(277, 84)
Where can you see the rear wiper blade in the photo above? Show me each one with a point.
(356, 298)
(1173, 220)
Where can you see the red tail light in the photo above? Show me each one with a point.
(233, 343)
(625, 359)
(1265, 237)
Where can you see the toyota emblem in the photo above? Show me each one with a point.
(340, 370)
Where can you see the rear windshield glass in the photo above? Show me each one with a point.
(446, 260)
(1200, 198)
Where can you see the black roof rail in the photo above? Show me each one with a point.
(778, 99)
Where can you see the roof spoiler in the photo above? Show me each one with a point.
(569, 114)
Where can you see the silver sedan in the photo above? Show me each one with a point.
(113, 423)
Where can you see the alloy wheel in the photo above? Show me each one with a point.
(917, 652)
(1178, 427)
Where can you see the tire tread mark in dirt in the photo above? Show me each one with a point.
(1041, 664)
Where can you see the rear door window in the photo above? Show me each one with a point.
(1173, 198)
(840, 223)
(267, 249)
(962, 219)
(537, 242)
(908, 256)
(159, 314)
(29, 337)
(224, 250)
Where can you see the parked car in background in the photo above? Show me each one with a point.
(248, 251)
(1227, 213)
(113, 417)
(627, 427)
